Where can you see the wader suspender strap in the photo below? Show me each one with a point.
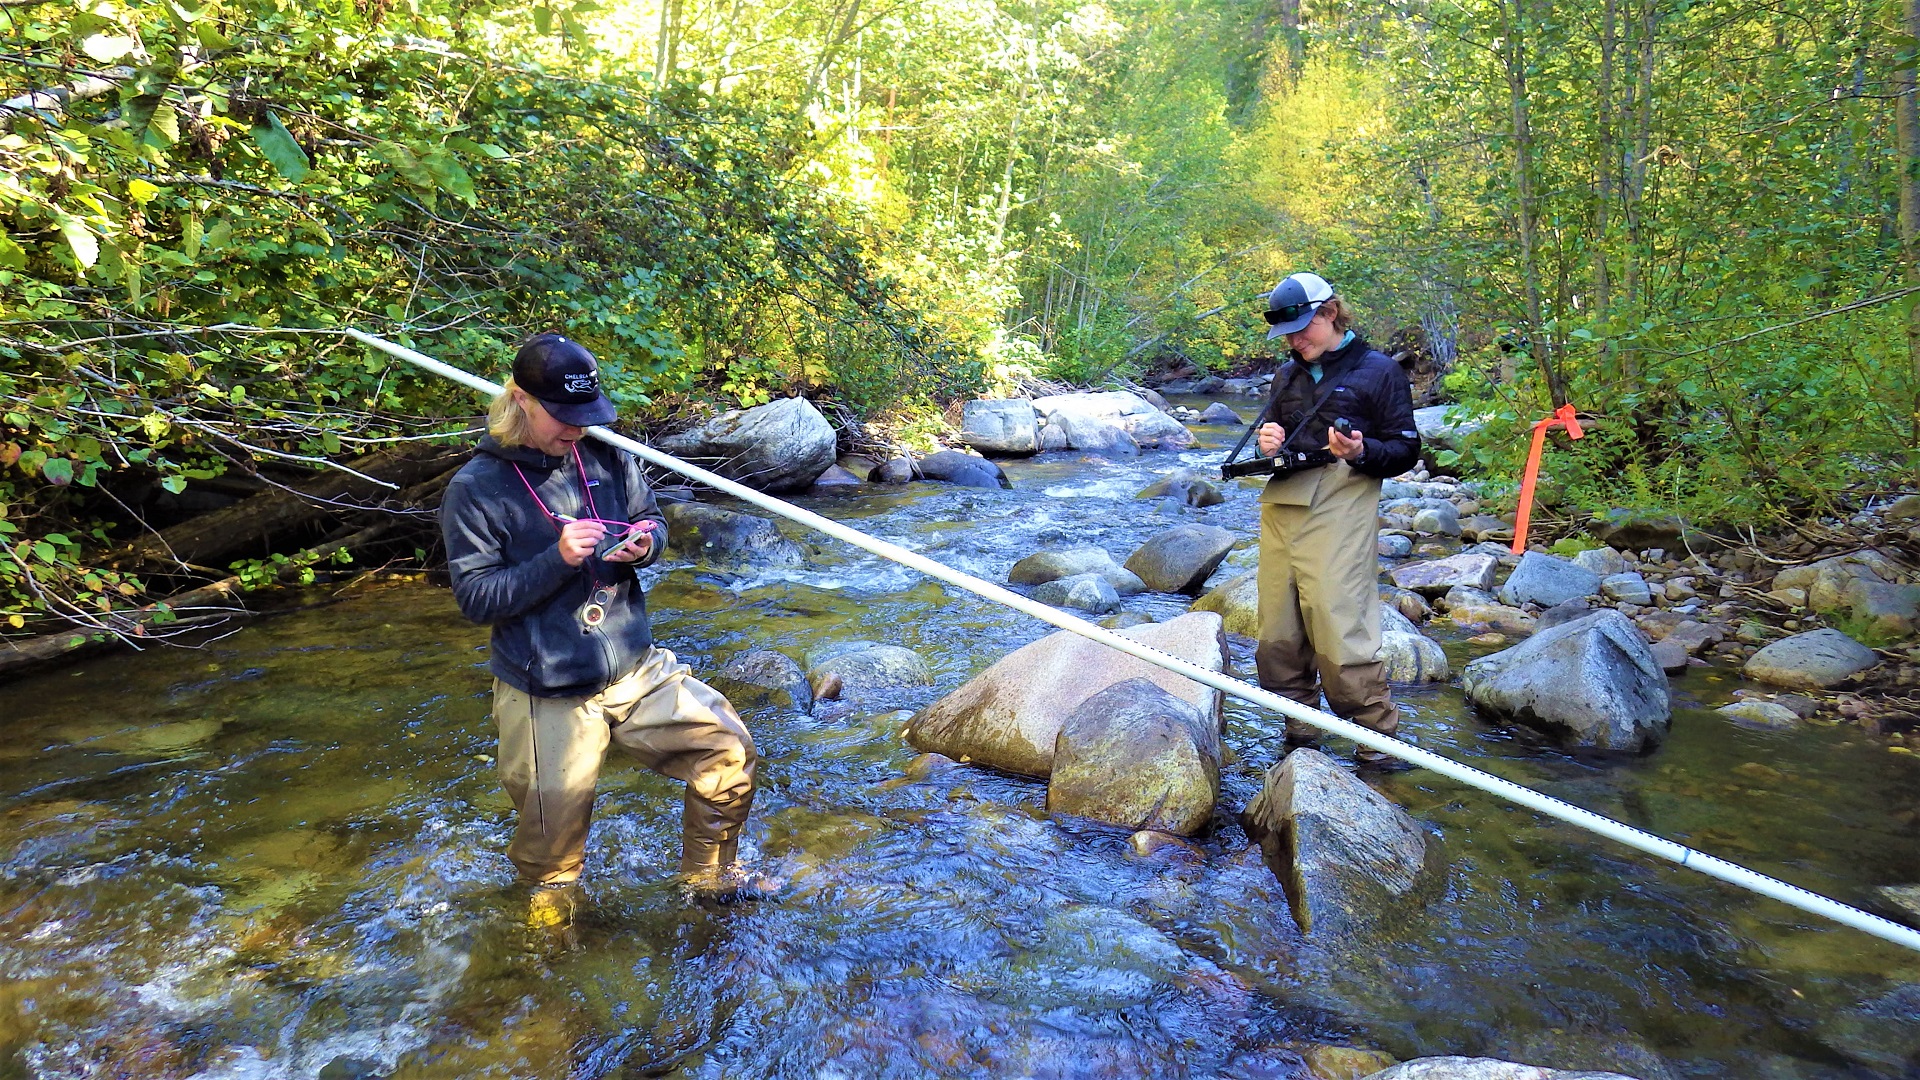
(1328, 386)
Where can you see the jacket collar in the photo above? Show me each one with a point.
(520, 455)
(1335, 363)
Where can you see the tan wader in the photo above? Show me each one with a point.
(1320, 597)
(551, 748)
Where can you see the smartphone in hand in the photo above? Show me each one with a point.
(631, 541)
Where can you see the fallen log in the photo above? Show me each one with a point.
(252, 523)
(134, 626)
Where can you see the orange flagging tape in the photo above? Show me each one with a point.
(1562, 417)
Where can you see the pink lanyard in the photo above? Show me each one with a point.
(586, 489)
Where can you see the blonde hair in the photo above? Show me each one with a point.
(507, 421)
(1342, 315)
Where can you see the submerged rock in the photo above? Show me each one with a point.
(780, 446)
(954, 467)
(1466, 1068)
(865, 672)
(723, 537)
(764, 677)
(1594, 679)
(1009, 716)
(1189, 486)
(1136, 756)
(1044, 566)
(1083, 592)
(1181, 559)
(1347, 857)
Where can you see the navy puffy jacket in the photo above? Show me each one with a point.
(1369, 389)
(504, 554)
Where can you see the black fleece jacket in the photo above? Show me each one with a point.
(503, 552)
(1368, 388)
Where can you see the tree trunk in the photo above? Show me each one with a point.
(1636, 182)
(1603, 162)
(1514, 52)
(1907, 120)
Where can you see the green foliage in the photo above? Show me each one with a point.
(1569, 546)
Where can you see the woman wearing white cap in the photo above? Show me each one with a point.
(1319, 594)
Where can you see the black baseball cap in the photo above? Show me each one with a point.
(564, 376)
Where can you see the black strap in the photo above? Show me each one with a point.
(1328, 386)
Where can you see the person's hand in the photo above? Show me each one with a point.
(1348, 448)
(1270, 438)
(578, 539)
(637, 550)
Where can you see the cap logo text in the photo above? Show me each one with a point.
(581, 383)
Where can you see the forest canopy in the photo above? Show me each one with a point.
(1685, 218)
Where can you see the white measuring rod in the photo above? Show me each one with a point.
(1525, 796)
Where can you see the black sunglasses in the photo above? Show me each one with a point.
(1276, 316)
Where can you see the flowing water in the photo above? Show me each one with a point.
(281, 856)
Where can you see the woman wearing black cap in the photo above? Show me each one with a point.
(544, 532)
(1319, 593)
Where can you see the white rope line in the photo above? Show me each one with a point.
(1691, 858)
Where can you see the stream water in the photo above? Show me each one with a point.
(281, 856)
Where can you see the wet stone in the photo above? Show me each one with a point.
(1626, 588)
(1594, 679)
(1180, 559)
(764, 677)
(1237, 602)
(1548, 580)
(1436, 577)
(1814, 660)
(1134, 755)
(1082, 592)
(1393, 546)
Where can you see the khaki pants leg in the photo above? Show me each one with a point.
(1284, 658)
(550, 751)
(681, 727)
(1332, 569)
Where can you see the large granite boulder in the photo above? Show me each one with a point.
(1009, 716)
(1083, 415)
(725, 538)
(780, 446)
(1181, 559)
(1136, 756)
(1220, 412)
(1083, 592)
(955, 467)
(867, 672)
(1007, 426)
(1189, 486)
(1237, 602)
(1594, 680)
(764, 677)
(1444, 426)
(1044, 566)
(1348, 858)
(1811, 661)
(1435, 577)
(1548, 580)
(1466, 1068)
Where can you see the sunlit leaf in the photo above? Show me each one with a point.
(277, 143)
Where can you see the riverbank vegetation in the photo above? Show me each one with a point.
(1683, 217)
